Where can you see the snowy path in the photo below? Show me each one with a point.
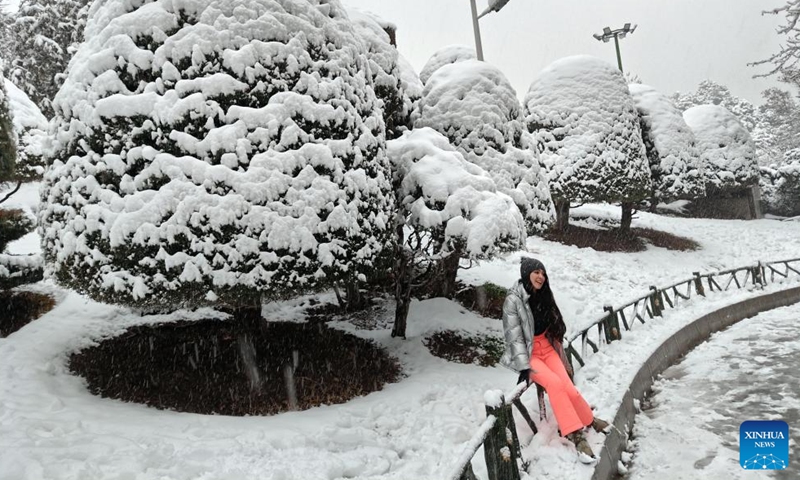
(747, 372)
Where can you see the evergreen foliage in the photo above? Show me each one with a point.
(216, 151)
(8, 142)
(587, 127)
(726, 149)
(476, 108)
(45, 33)
(675, 167)
(780, 187)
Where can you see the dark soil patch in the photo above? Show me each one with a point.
(614, 240)
(20, 308)
(197, 367)
(486, 300)
(455, 347)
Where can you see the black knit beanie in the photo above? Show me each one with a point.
(526, 266)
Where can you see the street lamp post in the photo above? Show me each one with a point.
(494, 6)
(608, 34)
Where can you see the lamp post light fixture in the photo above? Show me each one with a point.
(494, 6)
(608, 34)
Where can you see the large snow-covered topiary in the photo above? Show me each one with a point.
(448, 209)
(215, 151)
(675, 166)
(476, 108)
(726, 149)
(587, 126)
(445, 56)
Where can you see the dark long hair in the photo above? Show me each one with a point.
(543, 303)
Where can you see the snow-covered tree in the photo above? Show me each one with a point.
(726, 150)
(476, 108)
(445, 56)
(778, 127)
(710, 92)
(8, 142)
(447, 208)
(780, 186)
(385, 69)
(587, 128)
(675, 168)
(216, 152)
(45, 34)
(14, 269)
(30, 128)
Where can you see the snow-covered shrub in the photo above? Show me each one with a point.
(385, 70)
(780, 186)
(448, 208)
(215, 151)
(675, 167)
(726, 150)
(476, 108)
(445, 56)
(30, 127)
(587, 127)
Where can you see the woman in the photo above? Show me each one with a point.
(534, 331)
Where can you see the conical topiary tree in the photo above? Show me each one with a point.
(675, 167)
(215, 152)
(587, 127)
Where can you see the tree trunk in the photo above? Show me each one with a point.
(627, 217)
(402, 285)
(449, 271)
(353, 298)
(562, 215)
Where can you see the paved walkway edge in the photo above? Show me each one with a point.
(666, 355)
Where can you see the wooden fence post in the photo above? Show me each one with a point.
(758, 279)
(656, 303)
(498, 448)
(698, 284)
(611, 324)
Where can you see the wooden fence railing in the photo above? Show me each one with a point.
(498, 433)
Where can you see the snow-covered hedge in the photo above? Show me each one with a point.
(587, 127)
(675, 166)
(445, 196)
(445, 56)
(476, 108)
(726, 149)
(215, 151)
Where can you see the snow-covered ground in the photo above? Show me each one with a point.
(748, 372)
(52, 428)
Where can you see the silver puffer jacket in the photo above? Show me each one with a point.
(518, 329)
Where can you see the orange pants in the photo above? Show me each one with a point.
(571, 410)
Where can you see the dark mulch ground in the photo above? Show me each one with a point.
(197, 367)
(17, 309)
(461, 348)
(613, 240)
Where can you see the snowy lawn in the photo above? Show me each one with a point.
(52, 428)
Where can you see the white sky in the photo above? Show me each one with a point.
(677, 44)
